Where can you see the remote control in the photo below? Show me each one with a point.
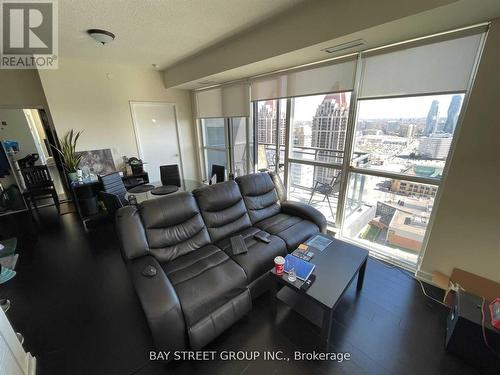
(238, 245)
(262, 236)
(307, 284)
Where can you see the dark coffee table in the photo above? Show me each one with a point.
(336, 267)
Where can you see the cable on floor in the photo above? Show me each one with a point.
(391, 266)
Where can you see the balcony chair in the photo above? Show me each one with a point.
(327, 189)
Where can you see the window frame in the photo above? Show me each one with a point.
(228, 145)
(346, 167)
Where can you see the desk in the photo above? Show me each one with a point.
(85, 195)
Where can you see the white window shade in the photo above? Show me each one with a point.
(438, 67)
(225, 101)
(333, 77)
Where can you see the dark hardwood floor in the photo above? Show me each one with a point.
(75, 305)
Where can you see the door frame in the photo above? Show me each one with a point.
(136, 130)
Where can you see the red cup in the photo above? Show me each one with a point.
(279, 265)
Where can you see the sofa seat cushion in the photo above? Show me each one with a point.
(205, 280)
(260, 256)
(291, 229)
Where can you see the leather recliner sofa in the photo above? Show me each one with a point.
(178, 252)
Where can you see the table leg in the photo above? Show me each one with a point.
(273, 298)
(361, 275)
(326, 329)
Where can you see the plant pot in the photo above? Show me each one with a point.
(73, 176)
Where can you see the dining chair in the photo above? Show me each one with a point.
(170, 175)
(219, 171)
(39, 185)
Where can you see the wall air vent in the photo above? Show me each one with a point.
(344, 46)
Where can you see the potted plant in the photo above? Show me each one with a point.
(70, 159)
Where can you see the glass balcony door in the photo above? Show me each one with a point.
(318, 125)
(270, 128)
(240, 148)
(225, 141)
(214, 145)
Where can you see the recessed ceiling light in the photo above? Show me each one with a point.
(101, 36)
(156, 66)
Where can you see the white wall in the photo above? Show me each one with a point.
(94, 97)
(466, 230)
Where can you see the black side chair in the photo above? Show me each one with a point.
(39, 185)
(113, 184)
(170, 175)
(219, 171)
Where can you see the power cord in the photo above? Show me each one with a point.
(410, 277)
(483, 329)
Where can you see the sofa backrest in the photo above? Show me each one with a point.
(173, 226)
(260, 196)
(223, 209)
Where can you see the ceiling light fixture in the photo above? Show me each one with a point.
(101, 36)
(344, 46)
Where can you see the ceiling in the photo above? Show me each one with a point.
(194, 72)
(159, 32)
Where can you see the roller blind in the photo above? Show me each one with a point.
(225, 101)
(326, 78)
(444, 66)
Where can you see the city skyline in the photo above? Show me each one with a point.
(373, 109)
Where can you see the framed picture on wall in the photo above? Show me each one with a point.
(99, 162)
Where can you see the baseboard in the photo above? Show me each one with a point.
(424, 276)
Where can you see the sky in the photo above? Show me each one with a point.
(416, 107)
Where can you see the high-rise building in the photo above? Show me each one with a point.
(453, 112)
(436, 146)
(267, 132)
(432, 118)
(328, 131)
(266, 126)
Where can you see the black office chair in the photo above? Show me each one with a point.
(113, 184)
(39, 185)
(219, 171)
(170, 175)
(111, 201)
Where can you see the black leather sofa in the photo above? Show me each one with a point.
(177, 249)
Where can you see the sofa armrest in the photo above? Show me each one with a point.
(160, 304)
(305, 211)
(131, 233)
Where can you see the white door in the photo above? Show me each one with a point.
(155, 127)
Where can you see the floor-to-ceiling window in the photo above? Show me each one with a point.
(270, 120)
(318, 126)
(368, 143)
(213, 143)
(225, 131)
(406, 142)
